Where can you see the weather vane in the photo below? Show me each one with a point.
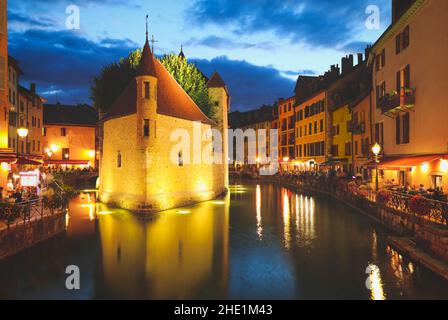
(152, 42)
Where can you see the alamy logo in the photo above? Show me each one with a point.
(73, 281)
(373, 21)
(206, 147)
(73, 21)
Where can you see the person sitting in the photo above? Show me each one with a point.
(421, 189)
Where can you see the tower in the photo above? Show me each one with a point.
(220, 99)
(146, 86)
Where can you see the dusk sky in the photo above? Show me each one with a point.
(258, 46)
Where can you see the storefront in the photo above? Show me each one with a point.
(431, 171)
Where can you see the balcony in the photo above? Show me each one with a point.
(395, 103)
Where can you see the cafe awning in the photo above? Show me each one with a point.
(68, 162)
(334, 162)
(406, 163)
(28, 161)
(7, 156)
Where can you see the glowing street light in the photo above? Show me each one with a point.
(54, 148)
(22, 132)
(376, 149)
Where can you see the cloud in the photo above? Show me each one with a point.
(249, 85)
(63, 61)
(63, 64)
(223, 43)
(30, 21)
(327, 23)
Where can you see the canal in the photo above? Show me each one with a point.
(260, 242)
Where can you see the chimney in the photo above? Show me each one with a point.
(360, 58)
(347, 64)
(367, 52)
(33, 87)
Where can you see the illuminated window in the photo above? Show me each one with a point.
(147, 90)
(63, 132)
(146, 128)
(119, 160)
(180, 159)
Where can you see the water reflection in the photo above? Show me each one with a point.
(171, 257)
(258, 209)
(375, 283)
(286, 218)
(311, 248)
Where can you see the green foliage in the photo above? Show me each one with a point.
(9, 212)
(190, 79)
(114, 78)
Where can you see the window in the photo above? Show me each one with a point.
(180, 159)
(348, 148)
(405, 37)
(335, 150)
(65, 153)
(321, 125)
(63, 132)
(146, 128)
(119, 164)
(44, 132)
(398, 43)
(147, 90)
(310, 129)
(216, 103)
(383, 58)
(379, 133)
(315, 127)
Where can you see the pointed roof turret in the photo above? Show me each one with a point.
(146, 66)
(216, 81)
(181, 54)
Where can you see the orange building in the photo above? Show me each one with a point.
(7, 155)
(69, 135)
(409, 80)
(286, 131)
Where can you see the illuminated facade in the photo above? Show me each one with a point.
(142, 169)
(69, 136)
(286, 131)
(409, 81)
(7, 155)
(311, 132)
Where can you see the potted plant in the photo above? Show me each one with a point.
(420, 206)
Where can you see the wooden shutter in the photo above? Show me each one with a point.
(398, 130)
(407, 76)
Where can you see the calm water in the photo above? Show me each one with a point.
(261, 242)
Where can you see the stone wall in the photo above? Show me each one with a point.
(23, 236)
(148, 179)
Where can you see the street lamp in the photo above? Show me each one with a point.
(376, 149)
(22, 132)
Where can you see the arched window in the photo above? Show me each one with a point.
(180, 160)
(119, 160)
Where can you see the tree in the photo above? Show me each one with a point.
(114, 78)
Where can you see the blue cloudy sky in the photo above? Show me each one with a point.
(258, 46)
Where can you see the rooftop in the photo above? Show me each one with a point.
(80, 115)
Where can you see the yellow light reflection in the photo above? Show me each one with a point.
(286, 219)
(183, 212)
(258, 207)
(374, 283)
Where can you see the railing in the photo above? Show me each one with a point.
(404, 99)
(437, 210)
(25, 212)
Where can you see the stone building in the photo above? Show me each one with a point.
(143, 166)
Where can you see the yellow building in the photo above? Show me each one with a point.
(7, 155)
(154, 155)
(69, 136)
(311, 132)
(409, 79)
(342, 138)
